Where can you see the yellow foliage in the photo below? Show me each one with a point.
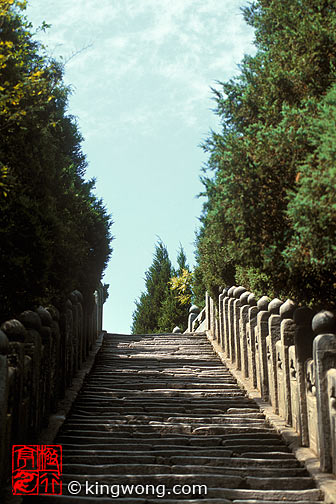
(182, 285)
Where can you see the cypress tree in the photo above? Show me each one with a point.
(148, 307)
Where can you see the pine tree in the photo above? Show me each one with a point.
(54, 232)
(148, 307)
(267, 221)
(175, 308)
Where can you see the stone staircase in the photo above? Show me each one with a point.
(162, 410)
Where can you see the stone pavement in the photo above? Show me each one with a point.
(163, 410)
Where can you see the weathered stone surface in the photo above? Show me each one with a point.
(331, 379)
(194, 309)
(14, 330)
(30, 320)
(274, 324)
(313, 440)
(45, 316)
(303, 351)
(263, 303)
(261, 353)
(324, 322)
(252, 301)
(4, 344)
(274, 306)
(54, 312)
(231, 290)
(165, 410)
(324, 353)
(238, 292)
(244, 298)
(287, 330)
(287, 309)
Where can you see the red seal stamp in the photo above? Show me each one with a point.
(37, 469)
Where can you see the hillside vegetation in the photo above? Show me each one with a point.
(54, 231)
(269, 219)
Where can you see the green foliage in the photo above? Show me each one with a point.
(147, 312)
(159, 308)
(55, 232)
(181, 285)
(268, 221)
(175, 308)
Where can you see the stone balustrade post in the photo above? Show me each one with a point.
(221, 319)
(260, 346)
(287, 331)
(16, 335)
(193, 314)
(294, 390)
(57, 364)
(331, 382)
(49, 359)
(66, 325)
(312, 407)
(324, 354)
(272, 337)
(231, 324)
(77, 350)
(4, 438)
(251, 328)
(243, 321)
(226, 324)
(207, 311)
(303, 351)
(236, 328)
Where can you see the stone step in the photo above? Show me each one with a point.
(213, 496)
(107, 428)
(192, 439)
(66, 499)
(163, 410)
(205, 420)
(104, 475)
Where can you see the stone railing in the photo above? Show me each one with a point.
(287, 354)
(40, 352)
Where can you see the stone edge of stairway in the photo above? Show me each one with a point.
(56, 420)
(325, 481)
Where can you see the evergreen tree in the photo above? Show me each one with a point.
(54, 232)
(175, 308)
(148, 307)
(269, 221)
(166, 301)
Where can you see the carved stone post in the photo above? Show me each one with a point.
(77, 350)
(4, 444)
(207, 311)
(312, 407)
(221, 319)
(193, 314)
(16, 334)
(287, 330)
(66, 324)
(303, 350)
(236, 329)
(260, 346)
(231, 324)
(226, 325)
(243, 321)
(324, 352)
(331, 377)
(294, 389)
(273, 336)
(57, 365)
(251, 334)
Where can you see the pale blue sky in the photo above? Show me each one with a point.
(141, 93)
